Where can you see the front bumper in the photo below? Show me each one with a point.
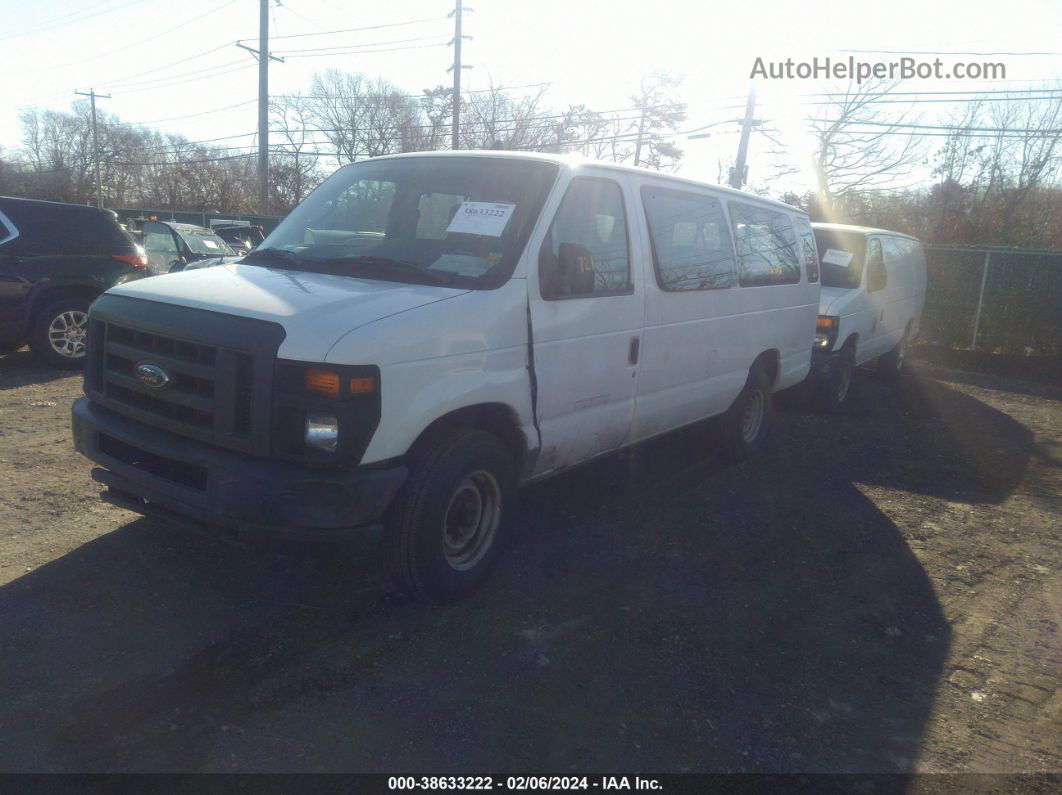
(153, 471)
(823, 364)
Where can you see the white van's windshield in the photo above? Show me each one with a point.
(460, 221)
(841, 257)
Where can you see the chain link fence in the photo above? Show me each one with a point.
(994, 300)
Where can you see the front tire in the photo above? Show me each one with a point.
(743, 429)
(57, 337)
(446, 528)
(832, 392)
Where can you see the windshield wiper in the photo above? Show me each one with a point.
(277, 257)
(389, 266)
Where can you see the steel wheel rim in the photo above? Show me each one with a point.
(471, 520)
(844, 380)
(752, 416)
(66, 333)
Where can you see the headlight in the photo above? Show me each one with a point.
(322, 431)
(826, 331)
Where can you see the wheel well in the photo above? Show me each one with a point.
(769, 361)
(851, 342)
(496, 418)
(53, 294)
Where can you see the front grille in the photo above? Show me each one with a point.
(196, 372)
(219, 369)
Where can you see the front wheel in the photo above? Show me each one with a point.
(58, 333)
(444, 531)
(833, 390)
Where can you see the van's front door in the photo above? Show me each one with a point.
(586, 315)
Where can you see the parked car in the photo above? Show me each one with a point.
(873, 293)
(241, 239)
(171, 246)
(54, 260)
(425, 332)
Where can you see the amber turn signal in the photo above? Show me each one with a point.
(322, 382)
(362, 386)
(826, 323)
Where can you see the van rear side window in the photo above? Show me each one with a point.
(766, 246)
(690, 240)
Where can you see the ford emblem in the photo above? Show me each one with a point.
(150, 374)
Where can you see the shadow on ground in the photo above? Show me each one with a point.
(658, 611)
(21, 368)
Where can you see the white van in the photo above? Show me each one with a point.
(426, 332)
(873, 293)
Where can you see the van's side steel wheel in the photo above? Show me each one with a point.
(446, 527)
(833, 391)
(59, 332)
(742, 430)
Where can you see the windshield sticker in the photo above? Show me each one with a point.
(837, 257)
(461, 264)
(481, 218)
(209, 243)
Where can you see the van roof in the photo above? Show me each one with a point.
(862, 230)
(575, 161)
(41, 203)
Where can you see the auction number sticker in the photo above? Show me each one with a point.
(481, 218)
(835, 256)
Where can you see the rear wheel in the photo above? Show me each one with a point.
(445, 529)
(59, 331)
(891, 364)
(742, 430)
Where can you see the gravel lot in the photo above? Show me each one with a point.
(879, 591)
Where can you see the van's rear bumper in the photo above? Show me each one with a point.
(155, 472)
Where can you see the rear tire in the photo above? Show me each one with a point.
(890, 365)
(743, 429)
(57, 336)
(445, 530)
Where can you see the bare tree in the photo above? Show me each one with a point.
(295, 168)
(860, 145)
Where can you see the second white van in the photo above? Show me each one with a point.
(426, 332)
(873, 293)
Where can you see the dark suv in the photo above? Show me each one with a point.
(54, 260)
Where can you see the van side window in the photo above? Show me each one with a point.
(586, 252)
(766, 246)
(877, 273)
(690, 240)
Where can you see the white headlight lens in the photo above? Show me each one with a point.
(322, 431)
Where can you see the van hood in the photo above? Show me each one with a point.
(833, 300)
(315, 309)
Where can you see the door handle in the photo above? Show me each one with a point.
(632, 353)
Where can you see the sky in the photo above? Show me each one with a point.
(175, 66)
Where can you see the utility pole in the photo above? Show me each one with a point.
(737, 176)
(263, 108)
(455, 127)
(641, 132)
(263, 103)
(91, 94)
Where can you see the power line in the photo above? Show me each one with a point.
(368, 27)
(359, 46)
(71, 21)
(368, 52)
(126, 47)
